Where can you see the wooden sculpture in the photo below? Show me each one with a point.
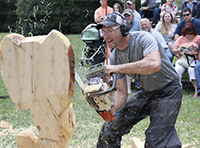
(38, 73)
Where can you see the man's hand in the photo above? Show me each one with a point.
(144, 8)
(108, 69)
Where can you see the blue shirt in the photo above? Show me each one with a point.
(190, 5)
(135, 26)
(159, 37)
(194, 21)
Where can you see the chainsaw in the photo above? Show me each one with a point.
(96, 90)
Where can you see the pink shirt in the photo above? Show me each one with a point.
(182, 42)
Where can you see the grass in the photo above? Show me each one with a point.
(88, 122)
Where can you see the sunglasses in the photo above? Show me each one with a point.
(186, 14)
(188, 33)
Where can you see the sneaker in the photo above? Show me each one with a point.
(153, 25)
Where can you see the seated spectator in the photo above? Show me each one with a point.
(189, 37)
(100, 12)
(197, 73)
(146, 26)
(187, 18)
(117, 8)
(131, 5)
(169, 6)
(151, 8)
(167, 28)
(134, 25)
(194, 7)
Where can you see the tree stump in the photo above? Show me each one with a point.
(38, 73)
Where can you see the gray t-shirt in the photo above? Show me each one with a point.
(140, 44)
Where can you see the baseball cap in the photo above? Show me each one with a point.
(130, 2)
(111, 19)
(127, 11)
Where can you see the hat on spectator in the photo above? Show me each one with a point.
(127, 11)
(111, 19)
(130, 2)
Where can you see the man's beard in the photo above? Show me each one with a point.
(129, 22)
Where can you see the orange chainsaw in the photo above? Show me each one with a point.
(97, 91)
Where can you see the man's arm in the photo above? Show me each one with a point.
(196, 10)
(154, 6)
(120, 95)
(144, 3)
(149, 64)
(97, 18)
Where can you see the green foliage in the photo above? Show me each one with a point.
(67, 16)
(8, 16)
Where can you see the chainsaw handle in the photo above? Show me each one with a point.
(110, 89)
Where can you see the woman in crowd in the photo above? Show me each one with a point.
(189, 37)
(171, 7)
(167, 28)
(117, 8)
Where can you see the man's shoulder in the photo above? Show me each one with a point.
(98, 9)
(138, 35)
(156, 33)
(181, 23)
(195, 21)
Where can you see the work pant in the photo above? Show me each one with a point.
(197, 74)
(162, 106)
(155, 13)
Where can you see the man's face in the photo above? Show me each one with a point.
(102, 2)
(145, 25)
(130, 6)
(112, 35)
(129, 19)
(187, 16)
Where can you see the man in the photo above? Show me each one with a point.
(140, 56)
(194, 7)
(187, 15)
(100, 13)
(151, 8)
(131, 5)
(134, 25)
(146, 26)
(197, 72)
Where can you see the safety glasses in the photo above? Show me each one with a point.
(109, 30)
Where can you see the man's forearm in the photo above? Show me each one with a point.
(154, 6)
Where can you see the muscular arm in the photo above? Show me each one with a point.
(149, 64)
(120, 95)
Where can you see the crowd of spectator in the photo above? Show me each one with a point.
(161, 21)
